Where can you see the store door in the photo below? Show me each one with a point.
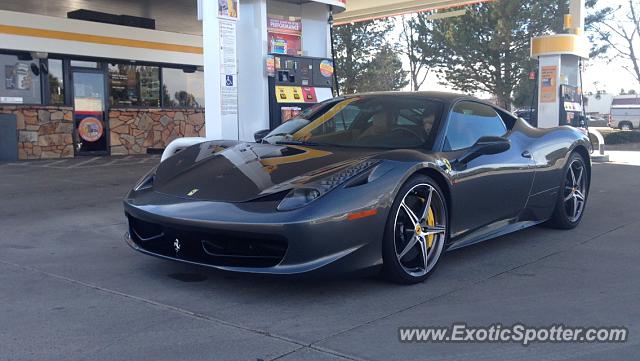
(91, 124)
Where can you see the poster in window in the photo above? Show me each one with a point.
(228, 9)
(18, 77)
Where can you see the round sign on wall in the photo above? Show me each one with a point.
(90, 129)
(326, 68)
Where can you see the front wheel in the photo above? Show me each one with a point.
(573, 194)
(416, 231)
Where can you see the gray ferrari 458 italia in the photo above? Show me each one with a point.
(383, 180)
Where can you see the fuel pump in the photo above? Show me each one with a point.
(296, 83)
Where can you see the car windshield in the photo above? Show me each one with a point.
(371, 122)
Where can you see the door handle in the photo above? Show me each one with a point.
(526, 154)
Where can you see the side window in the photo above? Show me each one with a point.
(468, 122)
(345, 118)
(339, 122)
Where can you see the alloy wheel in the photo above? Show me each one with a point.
(575, 190)
(420, 229)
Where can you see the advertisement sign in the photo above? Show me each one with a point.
(271, 66)
(90, 129)
(18, 77)
(90, 132)
(284, 35)
(548, 87)
(228, 9)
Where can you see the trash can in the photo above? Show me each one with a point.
(8, 137)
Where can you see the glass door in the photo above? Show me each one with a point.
(91, 127)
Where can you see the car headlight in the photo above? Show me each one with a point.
(146, 182)
(300, 197)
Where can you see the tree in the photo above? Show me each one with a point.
(356, 46)
(419, 47)
(487, 49)
(384, 72)
(622, 37)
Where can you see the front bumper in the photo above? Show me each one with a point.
(250, 238)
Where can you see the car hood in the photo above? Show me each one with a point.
(231, 171)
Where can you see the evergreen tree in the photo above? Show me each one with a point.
(356, 47)
(488, 48)
(384, 72)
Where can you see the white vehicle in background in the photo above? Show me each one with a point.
(625, 113)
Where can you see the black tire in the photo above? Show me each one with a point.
(561, 218)
(435, 221)
(628, 125)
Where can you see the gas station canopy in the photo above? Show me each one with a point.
(361, 10)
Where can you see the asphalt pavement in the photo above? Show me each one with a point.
(71, 289)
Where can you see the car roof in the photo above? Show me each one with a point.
(446, 97)
(443, 96)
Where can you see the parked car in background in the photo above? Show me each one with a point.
(625, 113)
(530, 115)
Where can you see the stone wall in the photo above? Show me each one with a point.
(133, 131)
(44, 132)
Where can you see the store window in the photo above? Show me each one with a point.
(21, 80)
(84, 64)
(182, 89)
(134, 85)
(56, 82)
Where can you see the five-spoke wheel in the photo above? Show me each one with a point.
(574, 191)
(418, 223)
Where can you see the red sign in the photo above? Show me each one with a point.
(90, 129)
(309, 94)
(284, 26)
(284, 36)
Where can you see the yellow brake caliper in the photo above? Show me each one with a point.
(431, 222)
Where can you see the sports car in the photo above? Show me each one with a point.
(385, 181)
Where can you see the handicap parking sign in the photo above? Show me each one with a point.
(229, 80)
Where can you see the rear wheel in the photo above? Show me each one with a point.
(416, 231)
(573, 194)
(626, 126)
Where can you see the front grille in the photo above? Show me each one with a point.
(218, 248)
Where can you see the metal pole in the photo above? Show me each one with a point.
(333, 52)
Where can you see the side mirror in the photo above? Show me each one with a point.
(486, 146)
(260, 134)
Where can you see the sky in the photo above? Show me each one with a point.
(610, 75)
(599, 74)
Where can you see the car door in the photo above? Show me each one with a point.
(490, 191)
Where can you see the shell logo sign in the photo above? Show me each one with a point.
(326, 68)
